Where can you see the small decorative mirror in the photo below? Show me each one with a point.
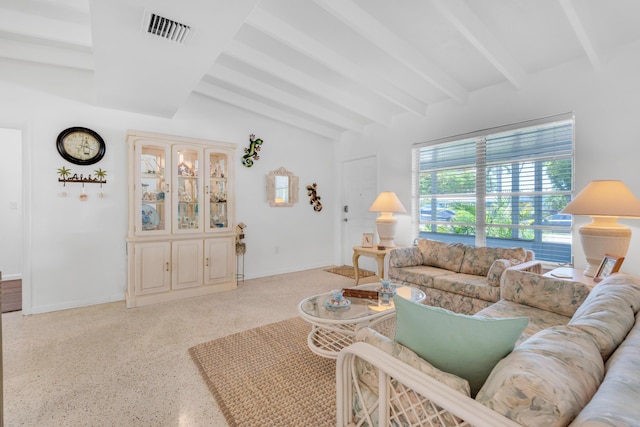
(282, 188)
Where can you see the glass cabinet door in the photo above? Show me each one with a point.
(186, 190)
(217, 191)
(152, 198)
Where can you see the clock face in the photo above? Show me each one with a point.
(80, 146)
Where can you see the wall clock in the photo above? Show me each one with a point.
(80, 146)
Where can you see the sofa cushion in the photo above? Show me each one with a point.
(454, 302)
(538, 319)
(440, 254)
(616, 401)
(547, 380)
(478, 261)
(466, 346)
(547, 293)
(468, 285)
(608, 313)
(421, 276)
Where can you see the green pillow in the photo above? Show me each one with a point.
(466, 346)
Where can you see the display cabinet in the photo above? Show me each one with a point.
(181, 231)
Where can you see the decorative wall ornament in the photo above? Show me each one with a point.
(251, 153)
(100, 178)
(314, 198)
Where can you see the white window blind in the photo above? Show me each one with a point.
(500, 187)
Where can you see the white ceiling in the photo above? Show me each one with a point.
(326, 66)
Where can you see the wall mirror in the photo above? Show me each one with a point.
(282, 188)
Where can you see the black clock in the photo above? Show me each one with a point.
(80, 146)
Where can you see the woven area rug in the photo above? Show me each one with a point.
(267, 376)
(348, 271)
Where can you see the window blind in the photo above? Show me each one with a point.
(501, 187)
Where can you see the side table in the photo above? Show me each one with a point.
(372, 253)
(569, 273)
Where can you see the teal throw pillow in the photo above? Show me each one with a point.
(466, 346)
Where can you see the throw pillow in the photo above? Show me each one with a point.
(466, 346)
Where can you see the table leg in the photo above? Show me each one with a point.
(380, 266)
(356, 255)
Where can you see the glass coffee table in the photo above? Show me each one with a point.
(332, 329)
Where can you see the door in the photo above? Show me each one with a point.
(360, 189)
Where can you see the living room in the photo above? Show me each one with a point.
(75, 253)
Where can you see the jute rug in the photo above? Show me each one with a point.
(267, 376)
(348, 271)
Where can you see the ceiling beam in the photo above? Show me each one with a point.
(39, 27)
(280, 30)
(268, 64)
(583, 37)
(477, 33)
(293, 102)
(359, 20)
(220, 94)
(52, 55)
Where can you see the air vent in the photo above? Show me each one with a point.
(166, 28)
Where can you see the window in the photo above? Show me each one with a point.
(501, 187)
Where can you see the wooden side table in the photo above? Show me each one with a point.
(575, 274)
(372, 253)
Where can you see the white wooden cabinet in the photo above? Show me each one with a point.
(181, 231)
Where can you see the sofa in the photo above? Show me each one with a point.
(576, 363)
(455, 276)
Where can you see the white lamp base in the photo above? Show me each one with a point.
(386, 226)
(603, 236)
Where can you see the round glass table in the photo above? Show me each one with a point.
(332, 328)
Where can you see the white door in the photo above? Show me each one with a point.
(360, 189)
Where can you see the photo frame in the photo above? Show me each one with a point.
(367, 240)
(610, 264)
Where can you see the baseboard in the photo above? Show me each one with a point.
(7, 277)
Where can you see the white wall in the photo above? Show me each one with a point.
(607, 111)
(76, 250)
(11, 203)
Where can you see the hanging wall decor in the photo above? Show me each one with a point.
(314, 199)
(100, 178)
(251, 153)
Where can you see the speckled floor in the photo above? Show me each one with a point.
(107, 365)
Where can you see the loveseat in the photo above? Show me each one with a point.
(455, 276)
(577, 363)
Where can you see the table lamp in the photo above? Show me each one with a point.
(387, 203)
(604, 202)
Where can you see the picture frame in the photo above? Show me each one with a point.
(610, 264)
(367, 240)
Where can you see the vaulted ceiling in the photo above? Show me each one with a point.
(327, 66)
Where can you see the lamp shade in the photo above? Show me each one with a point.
(604, 202)
(604, 198)
(387, 201)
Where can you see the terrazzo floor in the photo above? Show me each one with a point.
(107, 365)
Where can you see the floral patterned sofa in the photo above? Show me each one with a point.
(458, 277)
(577, 363)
